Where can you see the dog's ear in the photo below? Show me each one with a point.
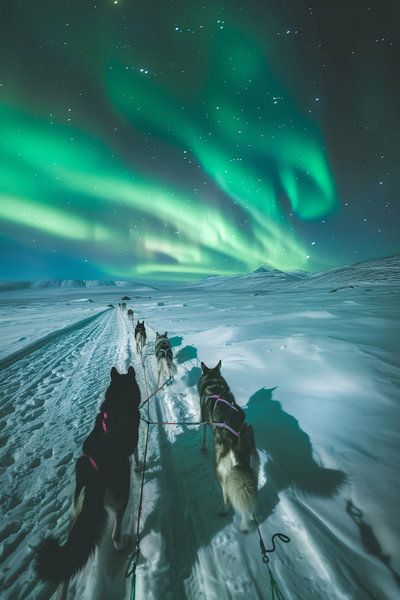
(114, 373)
(166, 334)
(219, 365)
(131, 372)
(204, 367)
(157, 335)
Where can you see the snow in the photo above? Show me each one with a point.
(318, 373)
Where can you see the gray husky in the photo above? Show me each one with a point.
(235, 453)
(164, 355)
(140, 336)
(102, 479)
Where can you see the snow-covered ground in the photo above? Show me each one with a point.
(317, 367)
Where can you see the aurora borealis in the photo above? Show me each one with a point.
(183, 139)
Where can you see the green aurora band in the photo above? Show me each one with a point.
(68, 182)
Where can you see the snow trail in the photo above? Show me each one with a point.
(327, 394)
(198, 548)
(50, 401)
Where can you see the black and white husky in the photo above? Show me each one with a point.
(235, 453)
(164, 355)
(140, 336)
(131, 316)
(102, 479)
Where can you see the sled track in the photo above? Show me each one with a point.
(193, 538)
(49, 399)
(51, 337)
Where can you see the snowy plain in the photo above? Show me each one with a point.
(315, 362)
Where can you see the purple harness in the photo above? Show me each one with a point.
(224, 425)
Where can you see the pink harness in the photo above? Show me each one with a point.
(104, 427)
(225, 425)
(103, 423)
(92, 462)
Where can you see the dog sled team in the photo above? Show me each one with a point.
(102, 473)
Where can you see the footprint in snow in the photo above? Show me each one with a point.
(34, 463)
(35, 427)
(7, 459)
(12, 527)
(61, 471)
(66, 459)
(4, 440)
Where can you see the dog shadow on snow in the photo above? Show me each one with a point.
(187, 353)
(369, 539)
(290, 463)
(186, 511)
(185, 514)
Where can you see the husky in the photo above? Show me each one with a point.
(164, 355)
(235, 454)
(130, 314)
(102, 479)
(140, 336)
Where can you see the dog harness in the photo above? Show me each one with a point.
(103, 422)
(104, 417)
(224, 425)
(92, 462)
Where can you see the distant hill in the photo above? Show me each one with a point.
(6, 286)
(371, 272)
(295, 272)
(376, 271)
(261, 279)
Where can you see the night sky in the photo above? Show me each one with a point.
(180, 139)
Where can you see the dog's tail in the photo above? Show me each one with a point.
(166, 366)
(57, 563)
(241, 485)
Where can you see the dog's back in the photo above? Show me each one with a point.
(164, 356)
(211, 383)
(234, 447)
(140, 336)
(116, 429)
(163, 348)
(104, 465)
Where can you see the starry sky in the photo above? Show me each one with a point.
(177, 139)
